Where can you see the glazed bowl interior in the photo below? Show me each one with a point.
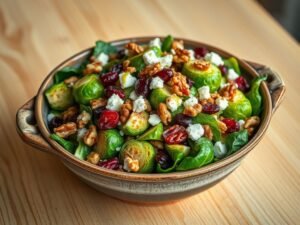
(42, 109)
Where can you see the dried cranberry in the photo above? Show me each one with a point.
(55, 122)
(182, 120)
(242, 84)
(163, 159)
(231, 124)
(110, 90)
(97, 112)
(142, 86)
(108, 119)
(190, 82)
(223, 69)
(210, 108)
(109, 78)
(112, 163)
(165, 74)
(200, 52)
(118, 68)
(175, 135)
(121, 54)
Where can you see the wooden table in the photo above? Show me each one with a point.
(35, 188)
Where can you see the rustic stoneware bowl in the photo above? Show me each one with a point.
(32, 127)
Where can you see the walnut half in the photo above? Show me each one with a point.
(66, 129)
(164, 113)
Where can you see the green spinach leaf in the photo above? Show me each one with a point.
(211, 121)
(235, 141)
(65, 73)
(103, 47)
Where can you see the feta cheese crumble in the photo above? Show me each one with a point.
(222, 103)
(204, 92)
(214, 58)
(241, 123)
(133, 95)
(220, 149)
(191, 54)
(80, 133)
(195, 131)
(114, 103)
(155, 43)
(190, 102)
(139, 105)
(156, 82)
(150, 57)
(154, 119)
(103, 58)
(126, 80)
(232, 75)
(166, 61)
(173, 102)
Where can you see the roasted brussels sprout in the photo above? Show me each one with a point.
(136, 124)
(137, 156)
(82, 151)
(158, 95)
(109, 143)
(154, 133)
(59, 96)
(88, 88)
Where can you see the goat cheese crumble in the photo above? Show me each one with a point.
(126, 80)
(204, 92)
(139, 105)
(156, 82)
(154, 119)
(195, 131)
(214, 58)
(114, 103)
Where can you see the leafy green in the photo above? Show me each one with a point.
(68, 145)
(65, 73)
(103, 47)
(167, 43)
(233, 64)
(211, 121)
(82, 151)
(254, 95)
(235, 141)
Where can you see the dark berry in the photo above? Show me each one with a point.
(163, 159)
(182, 120)
(118, 68)
(210, 108)
(165, 74)
(112, 163)
(110, 90)
(242, 84)
(109, 78)
(55, 122)
(200, 52)
(142, 86)
(223, 70)
(121, 54)
(231, 124)
(108, 120)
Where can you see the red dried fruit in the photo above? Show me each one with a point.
(231, 124)
(223, 70)
(108, 119)
(163, 159)
(242, 84)
(118, 68)
(182, 120)
(210, 108)
(175, 135)
(109, 78)
(142, 86)
(113, 163)
(200, 52)
(110, 90)
(165, 74)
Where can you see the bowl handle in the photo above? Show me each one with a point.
(27, 128)
(274, 82)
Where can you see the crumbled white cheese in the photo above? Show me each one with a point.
(139, 105)
(114, 103)
(191, 54)
(166, 61)
(156, 82)
(214, 58)
(195, 131)
(232, 75)
(220, 149)
(190, 102)
(150, 57)
(241, 123)
(154, 119)
(173, 51)
(133, 95)
(126, 80)
(155, 43)
(121, 133)
(204, 92)
(80, 133)
(103, 58)
(173, 102)
(50, 116)
(222, 103)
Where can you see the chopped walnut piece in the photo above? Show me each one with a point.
(179, 84)
(94, 67)
(134, 48)
(127, 68)
(125, 111)
(157, 144)
(208, 132)
(251, 123)
(164, 113)
(131, 164)
(83, 119)
(228, 91)
(150, 70)
(93, 158)
(193, 111)
(201, 65)
(71, 81)
(90, 137)
(209, 100)
(96, 103)
(181, 56)
(70, 115)
(66, 130)
(222, 126)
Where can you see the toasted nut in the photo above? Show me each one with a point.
(208, 132)
(164, 113)
(70, 114)
(228, 91)
(71, 81)
(96, 103)
(131, 164)
(94, 67)
(90, 138)
(251, 123)
(125, 111)
(181, 56)
(66, 130)
(179, 85)
(178, 45)
(193, 111)
(83, 119)
(149, 108)
(93, 158)
(157, 144)
(222, 126)
(134, 48)
(127, 68)
(150, 70)
(201, 65)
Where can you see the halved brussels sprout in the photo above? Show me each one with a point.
(108, 143)
(82, 151)
(59, 96)
(138, 151)
(136, 124)
(88, 88)
(211, 77)
(239, 108)
(158, 95)
(154, 133)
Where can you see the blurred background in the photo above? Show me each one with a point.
(286, 12)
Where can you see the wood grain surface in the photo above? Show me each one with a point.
(35, 188)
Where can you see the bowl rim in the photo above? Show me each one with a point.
(61, 152)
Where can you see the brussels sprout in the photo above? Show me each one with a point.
(158, 95)
(88, 88)
(141, 151)
(108, 143)
(82, 151)
(167, 43)
(68, 145)
(59, 96)
(154, 133)
(233, 64)
(136, 124)
(211, 77)
(240, 108)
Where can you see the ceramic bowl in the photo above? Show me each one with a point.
(32, 127)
